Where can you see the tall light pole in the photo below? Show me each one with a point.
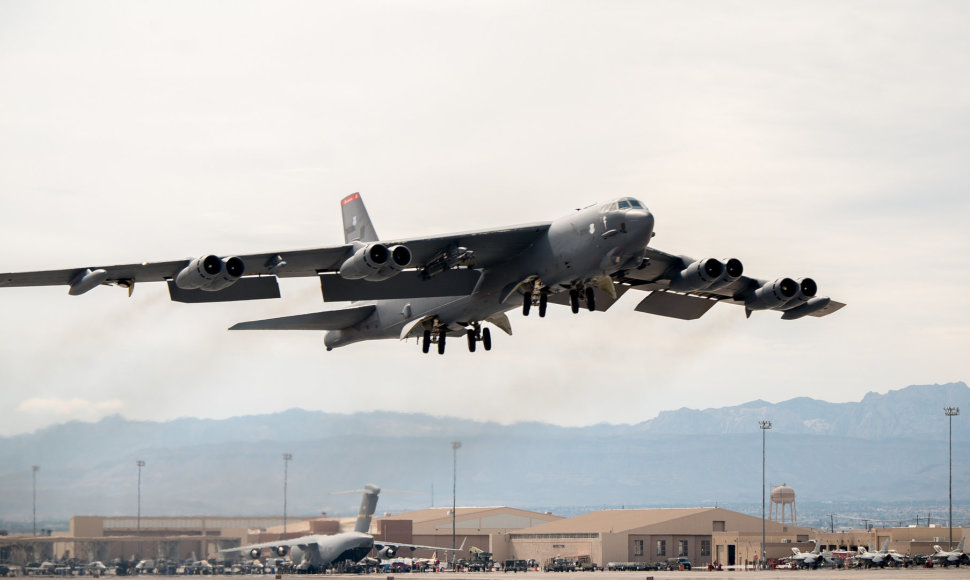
(286, 461)
(35, 469)
(140, 464)
(765, 425)
(455, 445)
(951, 412)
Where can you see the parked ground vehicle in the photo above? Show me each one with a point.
(681, 563)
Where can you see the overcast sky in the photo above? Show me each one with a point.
(827, 139)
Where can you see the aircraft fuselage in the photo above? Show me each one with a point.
(577, 249)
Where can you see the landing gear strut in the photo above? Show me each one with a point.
(538, 296)
(476, 334)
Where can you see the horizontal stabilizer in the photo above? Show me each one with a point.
(329, 320)
(682, 306)
(258, 288)
(410, 284)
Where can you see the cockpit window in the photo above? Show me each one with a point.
(624, 204)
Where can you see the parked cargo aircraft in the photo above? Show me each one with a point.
(452, 285)
(312, 553)
(955, 556)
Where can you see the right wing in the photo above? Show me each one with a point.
(673, 295)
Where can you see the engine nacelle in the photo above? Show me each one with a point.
(387, 552)
(733, 268)
(773, 295)
(375, 262)
(210, 273)
(807, 289)
(281, 551)
(254, 553)
(698, 276)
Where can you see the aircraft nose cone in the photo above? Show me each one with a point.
(640, 221)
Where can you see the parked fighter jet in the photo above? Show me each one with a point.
(452, 285)
(882, 558)
(814, 559)
(314, 553)
(954, 557)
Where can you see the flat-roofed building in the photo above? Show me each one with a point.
(485, 528)
(642, 535)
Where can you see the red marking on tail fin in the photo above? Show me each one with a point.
(349, 198)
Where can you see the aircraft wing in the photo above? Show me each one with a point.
(661, 272)
(429, 256)
(300, 542)
(394, 546)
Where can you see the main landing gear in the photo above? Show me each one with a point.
(438, 336)
(588, 294)
(538, 297)
(478, 334)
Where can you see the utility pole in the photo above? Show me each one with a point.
(35, 469)
(140, 464)
(286, 460)
(764, 425)
(832, 523)
(951, 412)
(455, 445)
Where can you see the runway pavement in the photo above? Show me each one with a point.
(912, 573)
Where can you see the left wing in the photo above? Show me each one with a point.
(214, 278)
(300, 542)
(681, 287)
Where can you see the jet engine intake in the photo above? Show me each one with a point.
(210, 273)
(254, 553)
(387, 552)
(807, 288)
(772, 295)
(281, 551)
(375, 262)
(698, 276)
(733, 268)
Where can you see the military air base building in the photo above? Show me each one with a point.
(644, 535)
(703, 535)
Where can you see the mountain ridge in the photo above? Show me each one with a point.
(885, 447)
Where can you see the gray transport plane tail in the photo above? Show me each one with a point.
(368, 503)
(357, 224)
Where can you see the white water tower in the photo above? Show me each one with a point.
(781, 496)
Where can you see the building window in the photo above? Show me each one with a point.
(637, 547)
(682, 551)
(705, 548)
(718, 526)
(661, 547)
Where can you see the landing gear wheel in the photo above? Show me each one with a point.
(426, 342)
(471, 340)
(486, 339)
(590, 300)
(574, 300)
(543, 301)
(441, 341)
(526, 303)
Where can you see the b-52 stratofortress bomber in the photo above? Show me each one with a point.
(455, 285)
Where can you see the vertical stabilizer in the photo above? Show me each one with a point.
(368, 503)
(959, 547)
(357, 224)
